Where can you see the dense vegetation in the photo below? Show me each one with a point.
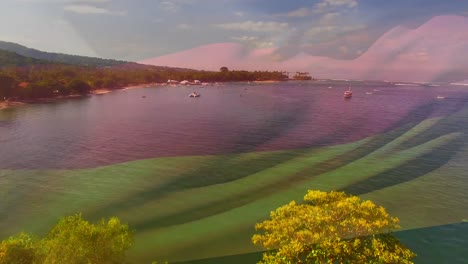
(72, 241)
(331, 228)
(46, 81)
(28, 74)
(8, 59)
(328, 228)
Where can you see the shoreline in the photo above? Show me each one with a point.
(10, 104)
(102, 91)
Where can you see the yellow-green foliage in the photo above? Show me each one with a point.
(72, 241)
(19, 249)
(331, 227)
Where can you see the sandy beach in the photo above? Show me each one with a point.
(267, 81)
(7, 104)
(100, 91)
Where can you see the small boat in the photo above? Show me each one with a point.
(194, 94)
(440, 97)
(348, 93)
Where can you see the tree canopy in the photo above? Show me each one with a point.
(72, 241)
(331, 228)
(46, 81)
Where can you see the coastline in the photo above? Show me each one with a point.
(100, 91)
(9, 104)
(269, 81)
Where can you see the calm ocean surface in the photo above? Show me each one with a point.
(426, 187)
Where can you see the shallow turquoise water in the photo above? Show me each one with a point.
(192, 176)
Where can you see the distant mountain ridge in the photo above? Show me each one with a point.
(13, 54)
(8, 59)
(59, 57)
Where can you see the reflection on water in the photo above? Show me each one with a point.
(145, 160)
(123, 126)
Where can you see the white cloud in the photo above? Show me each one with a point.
(265, 44)
(343, 49)
(255, 26)
(90, 10)
(331, 30)
(329, 18)
(245, 38)
(66, 1)
(173, 5)
(314, 31)
(183, 27)
(321, 7)
(239, 13)
(301, 12)
(327, 5)
(255, 41)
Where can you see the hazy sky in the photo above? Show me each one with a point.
(139, 29)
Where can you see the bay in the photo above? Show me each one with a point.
(193, 175)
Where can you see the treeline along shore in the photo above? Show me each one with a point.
(36, 82)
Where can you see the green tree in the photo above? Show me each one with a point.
(224, 69)
(74, 240)
(79, 86)
(331, 228)
(7, 84)
(19, 249)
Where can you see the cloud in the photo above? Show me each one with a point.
(301, 12)
(321, 7)
(327, 5)
(183, 27)
(256, 26)
(329, 18)
(90, 10)
(173, 6)
(245, 38)
(343, 49)
(239, 13)
(255, 41)
(325, 32)
(67, 1)
(314, 31)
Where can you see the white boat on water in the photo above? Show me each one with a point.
(194, 94)
(348, 93)
(172, 81)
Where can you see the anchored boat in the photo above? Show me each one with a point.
(348, 93)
